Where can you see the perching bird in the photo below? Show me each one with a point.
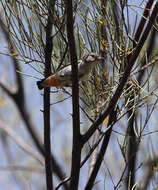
(63, 77)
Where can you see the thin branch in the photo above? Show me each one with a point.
(145, 66)
(21, 168)
(132, 140)
(121, 178)
(94, 154)
(10, 160)
(92, 149)
(132, 147)
(124, 79)
(83, 161)
(25, 116)
(19, 95)
(21, 143)
(100, 156)
(6, 89)
(62, 182)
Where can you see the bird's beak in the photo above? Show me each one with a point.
(100, 58)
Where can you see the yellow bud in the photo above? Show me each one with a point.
(100, 22)
(129, 51)
(103, 41)
(62, 4)
(14, 54)
(97, 79)
(31, 45)
(107, 44)
(105, 74)
(99, 102)
(105, 95)
(155, 169)
(120, 53)
(2, 103)
(105, 122)
(103, 7)
(58, 20)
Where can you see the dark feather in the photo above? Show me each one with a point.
(40, 87)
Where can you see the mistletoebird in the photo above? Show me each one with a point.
(63, 77)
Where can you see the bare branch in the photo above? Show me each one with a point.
(6, 89)
(100, 156)
(94, 154)
(143, 20)
(145, 66)
(46, 98)
(21, 143)
(76, 149)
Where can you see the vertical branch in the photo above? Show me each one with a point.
(97, 134)
(47, 134)
(151, 45)
(132, 148)
(143, 20)
(90, 183)
(19, 99)
(94, 154)
(132, 139)
(76, 149)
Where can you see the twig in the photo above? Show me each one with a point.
(132, 140)
(92, 149)
(21, 168)
(63, 182)
(145, 66)
(83, 162)
(121, 178)
(21, 143)
(124, 79)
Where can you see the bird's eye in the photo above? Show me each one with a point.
(93, 55)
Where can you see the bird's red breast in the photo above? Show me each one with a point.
(52, 81)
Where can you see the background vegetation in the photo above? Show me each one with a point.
(102, 133)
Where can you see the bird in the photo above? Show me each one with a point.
(63, 77)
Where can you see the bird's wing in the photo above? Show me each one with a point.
(66, 71)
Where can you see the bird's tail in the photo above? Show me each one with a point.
(39, 84)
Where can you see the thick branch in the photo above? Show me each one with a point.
(143, 20)
(47, 134)
(76, 149)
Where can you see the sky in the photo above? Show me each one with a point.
(61, 120)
